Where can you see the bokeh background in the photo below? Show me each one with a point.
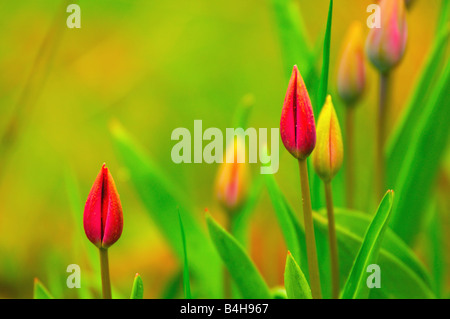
(153, 66)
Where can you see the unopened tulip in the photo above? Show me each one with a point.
(232, 178)
(385, 46)
(103, 219)
(329, 152)
(352, 72)
(297, 128)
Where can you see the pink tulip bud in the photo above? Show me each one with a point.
(352, 71)
(385, 46)
(297, 128)
(103, 219)
(232, 178)
(329, 152)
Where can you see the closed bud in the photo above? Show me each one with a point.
(233, 177)
(103, 219)
(352, 72)
(297, 128)
(329, 152)
(385, 46)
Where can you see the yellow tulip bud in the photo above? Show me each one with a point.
(329, 152)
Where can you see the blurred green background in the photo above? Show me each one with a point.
(153, 66)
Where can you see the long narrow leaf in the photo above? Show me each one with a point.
(244, 273)
(294, 280)
(402, 137)
(186, 280)
(137, 292)
(40, 292)
(421, 162)
(356, 286)
(161, 199)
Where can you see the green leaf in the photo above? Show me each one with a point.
(137, 292)
(402, 137)
(244, 273)
(294, 280)
(186, 281)
(356, 286)
(40, 292)
(294, 43)
(418, 170)
(436, 251)
(323, 86)
(294, 235)
(162, 201)
(288, 228)
(358, 222)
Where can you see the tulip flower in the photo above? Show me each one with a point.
(232, 178)
(298, 133)
(385, 46)
(352, 71)
(297, 128)
(350, 85)
(329, 152)
(327, 160)
(103, 221)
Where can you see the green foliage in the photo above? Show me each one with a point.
(421, 160)
(356, 286)
(137, 292)
(186, 280)
(297, 286)
(244, 273)
(40, 292)
(162, 202)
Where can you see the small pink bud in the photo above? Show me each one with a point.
(103, 219)
(297, 128)
(385, 46)
(329, 152)
(352, 71)
(232, 178)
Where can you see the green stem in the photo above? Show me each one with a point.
(381, 134)
(104, 265)
(309, 232)
(332, 241)
(350, 157)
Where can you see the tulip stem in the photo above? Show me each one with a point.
(332, 241)
(381, 134)
(309, 232)
(104, 265)
(349, 132)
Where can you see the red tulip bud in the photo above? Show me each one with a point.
(297, 128)
(385, 46)
(351, 73)
(103, 219)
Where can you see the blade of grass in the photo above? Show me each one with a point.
(421, 162)
(137, 292)
(244, 273)
(355, 286)
(186, 281)
(294, 280)
(40, 292)
(161, 199)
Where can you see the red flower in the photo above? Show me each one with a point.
(103, 219)
(297, 128)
